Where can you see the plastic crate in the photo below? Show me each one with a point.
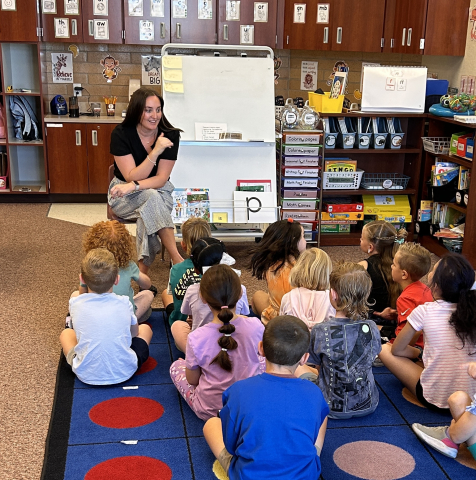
(453, 244)
(342, 180)
(438, 145)
(384, 181)
(324, 104)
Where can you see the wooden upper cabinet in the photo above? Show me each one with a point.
(446, 25)
(405, 22)
(102, 21)
(302, 31)
(147, 22)
(195, 24)
(19, 25)
(60, 25)
(247, 22)
(337, 25)
(357, 25)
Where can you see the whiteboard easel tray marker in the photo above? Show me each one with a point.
(394, 89)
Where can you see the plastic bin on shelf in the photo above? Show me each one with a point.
(384, 181)
(342, 180)
(324, 104)
(437, 145)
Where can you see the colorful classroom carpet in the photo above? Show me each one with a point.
(142, 430)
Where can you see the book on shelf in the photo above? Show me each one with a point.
(463, 178)
(424, 215)
(443, 175)
(340, 165)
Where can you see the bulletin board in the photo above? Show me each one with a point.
(235, 88)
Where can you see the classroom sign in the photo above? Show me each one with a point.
(151, 70)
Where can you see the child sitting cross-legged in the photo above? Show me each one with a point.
(309, 298)
(220, 352)
(183, 274)
(206, 252)
(284, 440)
(410, 264)
(345, 346)
(105, 345)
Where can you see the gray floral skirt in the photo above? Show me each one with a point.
(151, 209)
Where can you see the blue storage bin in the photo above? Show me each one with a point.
(436, 87)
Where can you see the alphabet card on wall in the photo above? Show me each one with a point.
(254, 207)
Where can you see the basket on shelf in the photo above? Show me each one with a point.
(384, 181)
(342, 180)
(438, 145)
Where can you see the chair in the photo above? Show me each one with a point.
(112, 216)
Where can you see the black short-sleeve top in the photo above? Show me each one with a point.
(125, 140)
(379, 293)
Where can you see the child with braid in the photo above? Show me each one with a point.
(221, 352)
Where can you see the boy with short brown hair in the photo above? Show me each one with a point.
(183, 274)
(410, 264)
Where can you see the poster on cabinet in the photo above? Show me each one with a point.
(71, 7)
(9, 5)
(205, 10)
(61, 27)
(48, 6)
(323, 13)
(100, 8)
(157, 8)
(146, 31)
(62, 67)
(135, 8)
(101, 29)
(151, 70)
(299, 13)
(261, 12)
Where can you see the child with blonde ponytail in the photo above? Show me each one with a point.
(221, 352)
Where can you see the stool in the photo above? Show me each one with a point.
(112, 216)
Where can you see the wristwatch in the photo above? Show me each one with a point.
(137, 186)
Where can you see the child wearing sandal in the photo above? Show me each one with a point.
(345, 346)
(115, 237)
(446, 440)
(105, 345)
(283, 440)
(449, 332)
(309, 299)
(223, 351)
(272, 260)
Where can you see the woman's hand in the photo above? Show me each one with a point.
(161, 144)
(122, 189)
(388, 313)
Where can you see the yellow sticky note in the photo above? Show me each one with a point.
(220, 217)
(173, 87)
(173, 75)
(172, 61)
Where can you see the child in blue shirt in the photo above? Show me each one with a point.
(283, 440)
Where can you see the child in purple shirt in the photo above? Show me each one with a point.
(223, 351)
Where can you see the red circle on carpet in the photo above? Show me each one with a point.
(353, 458)
(126, 412)
(147, 366)
(130, 468)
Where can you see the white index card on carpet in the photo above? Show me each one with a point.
(130, 388)
(130, 442)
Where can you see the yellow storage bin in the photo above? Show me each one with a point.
(324, 104)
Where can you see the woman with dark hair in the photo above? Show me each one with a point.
(145, 147)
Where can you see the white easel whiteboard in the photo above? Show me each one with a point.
(237, 91)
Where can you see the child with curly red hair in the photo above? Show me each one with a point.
(115, 237)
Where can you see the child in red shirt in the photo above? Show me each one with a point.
(410, 264)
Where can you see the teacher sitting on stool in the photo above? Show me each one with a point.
(145, 147)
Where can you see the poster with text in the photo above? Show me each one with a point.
(151, 70)
(309, 75)
(62, 67)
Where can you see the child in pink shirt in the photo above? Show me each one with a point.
(222, 352)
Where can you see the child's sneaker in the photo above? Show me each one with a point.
(437, 438)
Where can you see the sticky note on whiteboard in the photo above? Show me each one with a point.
(172, 61)
(173, 75)
(173, 87)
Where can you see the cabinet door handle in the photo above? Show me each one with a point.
(78, 137)
(162, 30)
(179, 30)
(392, 43)
(94, 138)
(225, 33)
(74, 27)
(404, 34)
(91, 28)
(339, 35)
(326, 35)
(409, 37)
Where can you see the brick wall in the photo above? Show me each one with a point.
(88, 70)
